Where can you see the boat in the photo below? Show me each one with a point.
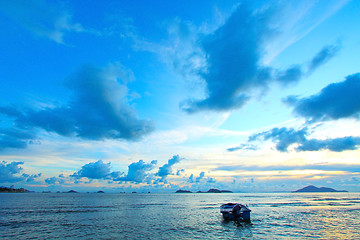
(235, 211)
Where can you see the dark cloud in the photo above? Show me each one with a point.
(290, 75)
(166, 169)
(138, 172)
(335, 101)
(335, 145)
(233, 55)
(233, 52)
(286, 137)
(11, 173)
(323, 56)
(99, 109)
(15, 138)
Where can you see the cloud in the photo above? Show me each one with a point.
(286, 137)
(99, 109)
(233, 66)
(179, 172)
(15, 138)
(95, 170)
(243, 147)
(323, 167)
(42, 19)
(166, 169)
(292, 74)
(201, 176)
(232, 54)
(211, 180)
(298, 19)
(336, 145)
(323, 56)
(191, 178)
(32, 177)
(138, 172)
(283, 137)
(335, 101)
(55, 180)
(11, 173)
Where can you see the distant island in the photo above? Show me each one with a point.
(13, 190)
(183, 191)
(312, 188)
(71, 191)
(212, 190)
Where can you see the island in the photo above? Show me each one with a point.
(100, 191)
(71, 191)
(312, 188)
(13, 190)
(212, 190)
(183, 191)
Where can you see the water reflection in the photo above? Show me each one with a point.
(239, 229)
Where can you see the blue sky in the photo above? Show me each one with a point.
(161, 95)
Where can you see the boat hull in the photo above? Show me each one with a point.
(243, 214)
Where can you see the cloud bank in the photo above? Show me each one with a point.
(99, 109)
(336, 101)
(284, 138)
(138, 172)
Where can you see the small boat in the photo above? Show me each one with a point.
(235, 211)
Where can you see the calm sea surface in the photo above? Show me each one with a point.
(178, 216)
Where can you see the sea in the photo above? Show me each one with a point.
(178, 216)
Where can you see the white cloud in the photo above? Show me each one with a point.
(42, 18)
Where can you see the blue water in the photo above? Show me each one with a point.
(178, 216)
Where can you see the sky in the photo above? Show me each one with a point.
(247, 96)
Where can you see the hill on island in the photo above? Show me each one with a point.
(312, 188)
(209, 191)
(13, 190)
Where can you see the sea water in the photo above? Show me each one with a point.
(178, 216)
